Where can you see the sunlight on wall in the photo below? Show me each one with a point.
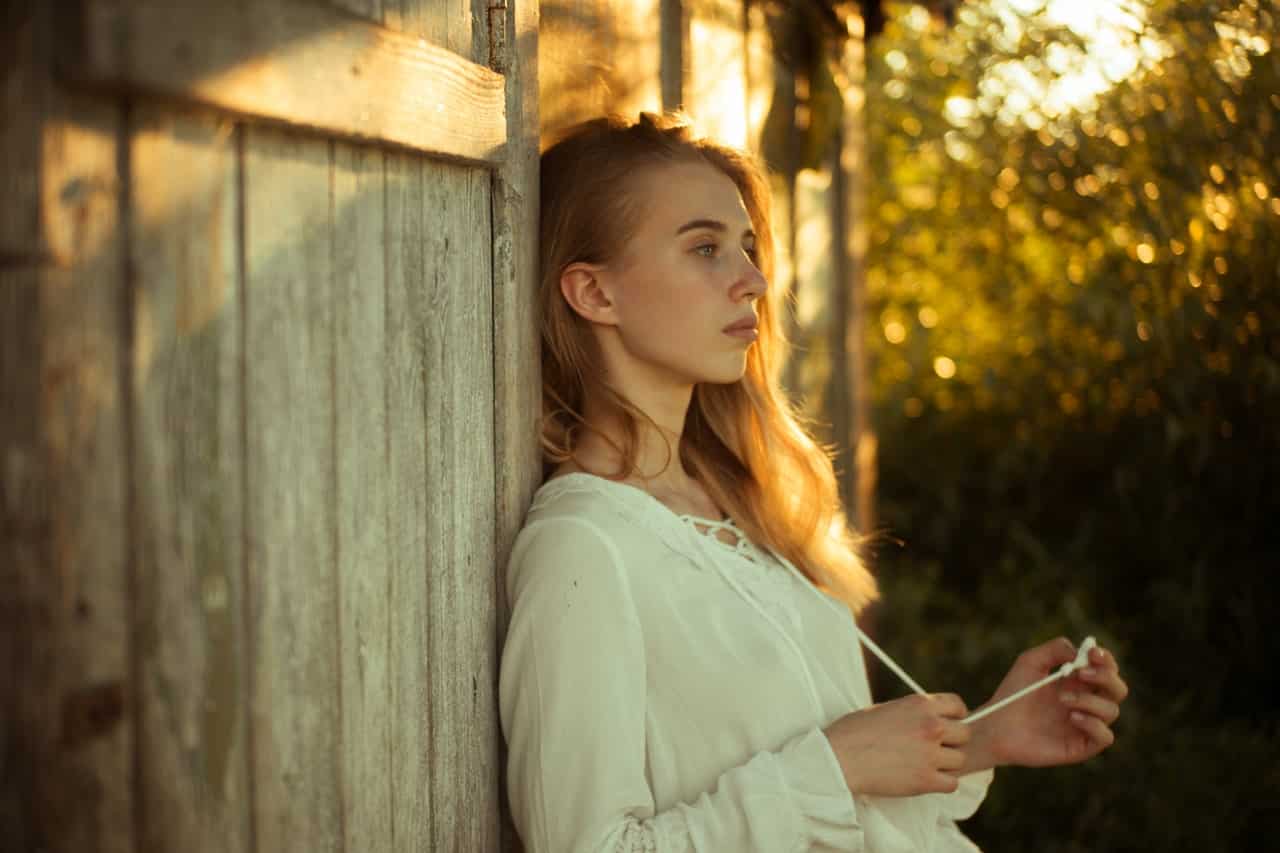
(717, 96)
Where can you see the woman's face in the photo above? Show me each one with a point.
(685, 274)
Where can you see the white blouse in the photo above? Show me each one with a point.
(665, 684)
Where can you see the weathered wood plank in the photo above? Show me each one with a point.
(297, 62)
(517, 376)
(188, 474)
(22, 99)
(440, 392)
(361, 434)
(28, 627)
(69, 728)
(408, 373)
(370, 10)
(447, 23)
(86, 462)
(460, 507)
(294, 626)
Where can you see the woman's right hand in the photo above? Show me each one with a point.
(901, 748)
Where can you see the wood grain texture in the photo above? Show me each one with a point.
(460, 495)
(363, 555)
(455, 25)
(300, 63)
(408, 374)
(22, 99)
(293, 589)
(28, 665)
(185, 409)
(517, 374)
(440, 410)
(69, 733)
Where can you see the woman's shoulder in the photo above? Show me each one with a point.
(570, 507)
(571, 495)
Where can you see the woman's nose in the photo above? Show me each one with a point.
(752, 284)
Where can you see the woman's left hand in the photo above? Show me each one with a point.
(1064, 722)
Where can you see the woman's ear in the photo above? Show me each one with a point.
(584, 289)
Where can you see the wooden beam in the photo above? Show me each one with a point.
(294, 62)
(517, 373)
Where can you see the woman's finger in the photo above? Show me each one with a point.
(1107, 680)
(955, 733)
(1093, 704)
(950, 759)
(1097, 731)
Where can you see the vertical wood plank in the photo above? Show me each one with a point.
(445, 23)
(440, 428)
(368, 9)
(188, 472)
(517, 375)
(23, 99)
(85, 459)
(359, 301)
(294, 628)
(28, 610)
(460, 506)
(68, 729)
(406, 384)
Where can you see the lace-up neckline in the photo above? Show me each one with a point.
(724, 531)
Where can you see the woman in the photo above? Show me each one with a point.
(681, 670)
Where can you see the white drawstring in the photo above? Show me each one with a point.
(1080, 662)
(888, 661)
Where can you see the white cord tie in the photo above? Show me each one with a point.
(1080, 662)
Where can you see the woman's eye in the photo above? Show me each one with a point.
(710, 250)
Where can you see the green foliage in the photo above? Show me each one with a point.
(1074, 327)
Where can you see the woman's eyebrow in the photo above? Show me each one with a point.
(713, 224)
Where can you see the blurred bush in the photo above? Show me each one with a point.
(1074, 324)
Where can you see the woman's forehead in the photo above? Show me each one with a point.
(678, 193)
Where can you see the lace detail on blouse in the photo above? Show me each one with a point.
(764, 577)
(643, 836)
(700, 540)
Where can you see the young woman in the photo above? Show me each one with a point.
(682, 670)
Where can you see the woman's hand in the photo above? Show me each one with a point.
(904, 747)
(1064, 722)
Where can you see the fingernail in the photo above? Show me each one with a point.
(1077, 716)
(1068, 696)
(1090, 671)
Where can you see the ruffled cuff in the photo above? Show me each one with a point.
(964, 800)
(825, 814)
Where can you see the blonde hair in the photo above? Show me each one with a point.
(744, 442)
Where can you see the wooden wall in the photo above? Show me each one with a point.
(268, 388)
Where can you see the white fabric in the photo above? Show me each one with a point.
(663, 689)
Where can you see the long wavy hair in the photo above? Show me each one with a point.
(744, 441)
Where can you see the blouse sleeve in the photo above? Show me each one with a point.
(572, 689)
